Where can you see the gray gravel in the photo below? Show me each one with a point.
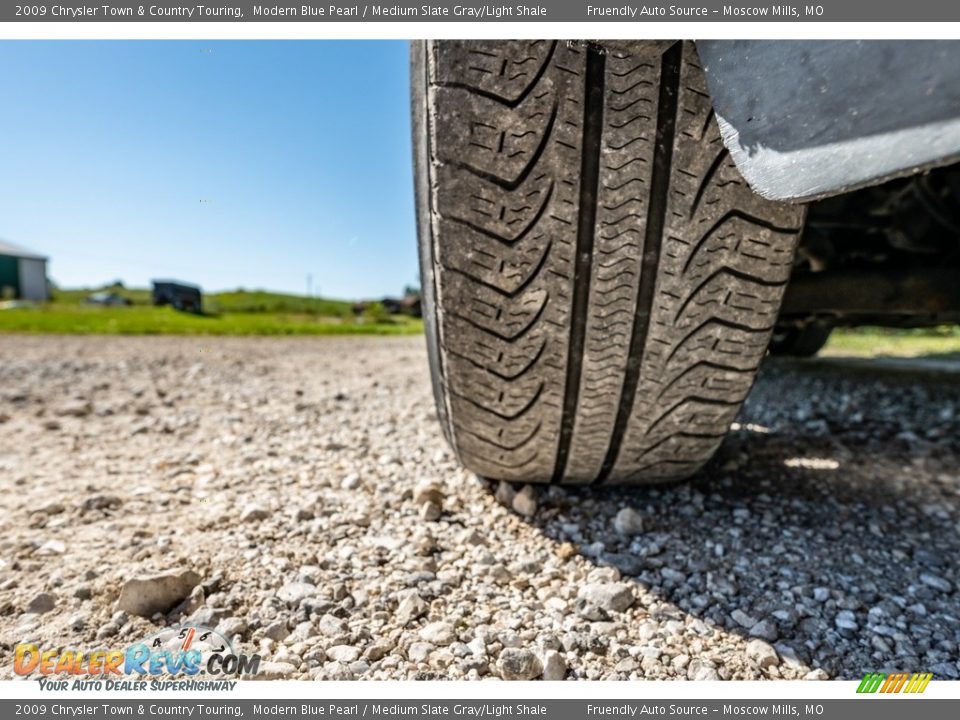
(306, 483)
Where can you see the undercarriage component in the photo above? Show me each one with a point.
(887, 255)
(801, 340)
(920, 296)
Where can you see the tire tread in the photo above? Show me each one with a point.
(606, 283)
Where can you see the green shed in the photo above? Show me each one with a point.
(23, 274)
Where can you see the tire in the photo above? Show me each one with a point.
(600, 284)
(800, 341)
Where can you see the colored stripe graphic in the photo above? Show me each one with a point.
(894, 683)
(923, 682)
(870, 683)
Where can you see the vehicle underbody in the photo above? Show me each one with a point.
(887, 255)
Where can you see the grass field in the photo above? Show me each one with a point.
(943, 342)
(245, 301)
(256, 312)
(237, 312)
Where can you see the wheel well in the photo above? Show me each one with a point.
(887, 255)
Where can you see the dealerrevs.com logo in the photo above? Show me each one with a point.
(186, 650)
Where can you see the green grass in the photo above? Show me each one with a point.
(248, 301)
(257, 312)
(76, 296)
(885, 342)
(230, 313)
(258, 301)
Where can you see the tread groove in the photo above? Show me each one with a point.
(509, 242)
(707, 177)
(586, 228)
(528, 168)
(512, 104)
(724, 219)
(656, 210)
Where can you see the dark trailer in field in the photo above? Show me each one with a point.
(180, 296)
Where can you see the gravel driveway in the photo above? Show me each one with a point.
(307, 484)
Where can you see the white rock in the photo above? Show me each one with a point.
(478, 647)
(789, 656)
(301, 514)
(107, 631)
(438, 633)
(41, 603)
(410, 608)
(762, 653)
(505, 494)
(51, 508)
(936, 582)
(419, 652)
(193, 603)
(149, 594)
(557, 605)
(274, 671)
(350, 482)
(846, 620)
(510, 639)
(302, 631)
(253, 513)
(628, 522)
(276, 631)
(343, 653)
(765, 630)
(378, 650)
(472, 537)
(331, 626)
(603, 574)
(609, 596)
(525, 501)
(430, 511)
(75, 408)
(335, 671)
(293, 593)
(285, 655)
(232, 626)
(78, 621)
(699, 671)
(648, 630)
(428, 492)
(518, 664)
(554, 666)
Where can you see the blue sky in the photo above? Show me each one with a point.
(228, 164)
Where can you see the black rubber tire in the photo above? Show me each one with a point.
(800, 341)
(600, 284)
